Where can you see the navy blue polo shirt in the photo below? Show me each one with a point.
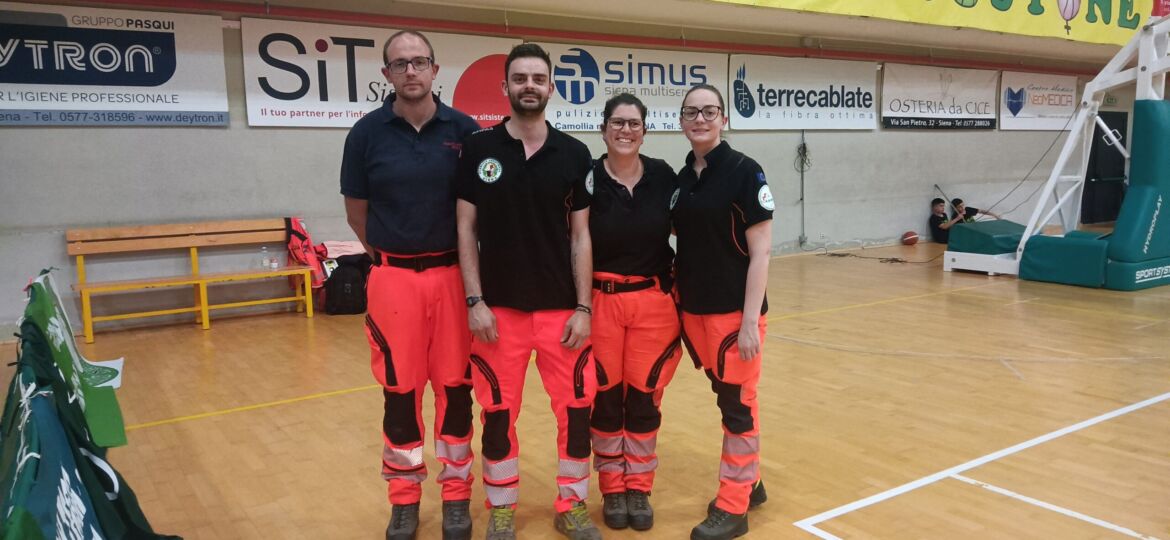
(631, 231)
(711, 219)
(407, 176)
(522, 215)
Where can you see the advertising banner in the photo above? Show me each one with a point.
(1033, 101)
(924, 97)
(801, 93)
(326, 75)
(1111, 22)
(99, 67)
(586, 76)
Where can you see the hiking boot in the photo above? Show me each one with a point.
(759, 496)
(403, 522)
(575, 523)
(502, 523)
(641, 513)
(614, 510)
(457, 520)
(721, 525)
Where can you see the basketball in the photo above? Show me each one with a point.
(909, 238)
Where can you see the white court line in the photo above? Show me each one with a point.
(808, 524)
(1144, 326)
(1022, 301)
(1009, 366)
(1053, 507)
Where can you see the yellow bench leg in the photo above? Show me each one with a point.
(203, 311)
(199, 301)
(86, 316)
(308, 279)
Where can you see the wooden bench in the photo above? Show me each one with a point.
(189, 236)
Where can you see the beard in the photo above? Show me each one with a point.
(414, 95)
(525, 109)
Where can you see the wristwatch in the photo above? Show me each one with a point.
(473, 300)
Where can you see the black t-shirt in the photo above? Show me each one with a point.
(969, 215)
(937, 233)
(407, 176)
(631, 232)
(522, 215)
(711, 218)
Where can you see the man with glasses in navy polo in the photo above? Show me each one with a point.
(397, 176)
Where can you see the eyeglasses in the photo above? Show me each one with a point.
(617, 124)
(420, 63)
(710, 112)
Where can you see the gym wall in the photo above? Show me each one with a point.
(864, 188)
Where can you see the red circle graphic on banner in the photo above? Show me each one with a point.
(478, 93)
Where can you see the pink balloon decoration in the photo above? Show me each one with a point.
(1068, 12)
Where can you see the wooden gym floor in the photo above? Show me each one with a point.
(898, 401)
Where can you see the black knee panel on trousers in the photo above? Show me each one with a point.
(495, 435)
(607, 409)
(641, 414)
(457, 417)
(737, 416)
(400, 423)
(578, 443)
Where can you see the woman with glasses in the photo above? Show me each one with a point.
(723, 219)
(635, 321)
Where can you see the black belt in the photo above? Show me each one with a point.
(614, 287)
(420, 263)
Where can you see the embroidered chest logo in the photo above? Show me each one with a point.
(674, 197)
(589, 182)
(490, 170)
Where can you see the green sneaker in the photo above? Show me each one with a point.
(576, 525)
(502, 523)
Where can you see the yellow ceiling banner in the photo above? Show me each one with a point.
(1092, 21)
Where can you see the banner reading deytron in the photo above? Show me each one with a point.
(924, 97)
(585, 77)
(326, 75)
(1092, 21)
(98, 67)
(801, 93)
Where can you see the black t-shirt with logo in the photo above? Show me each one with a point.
(408, 177)
(522, 215)
(937, 233)
(631, 231)
(711, 218)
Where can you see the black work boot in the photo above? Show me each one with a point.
(457, 520)
(615, 511)
(759, 496)
(641, 513)
(721, 525)
(403, 522)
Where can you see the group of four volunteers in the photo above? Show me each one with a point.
(491, 244)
